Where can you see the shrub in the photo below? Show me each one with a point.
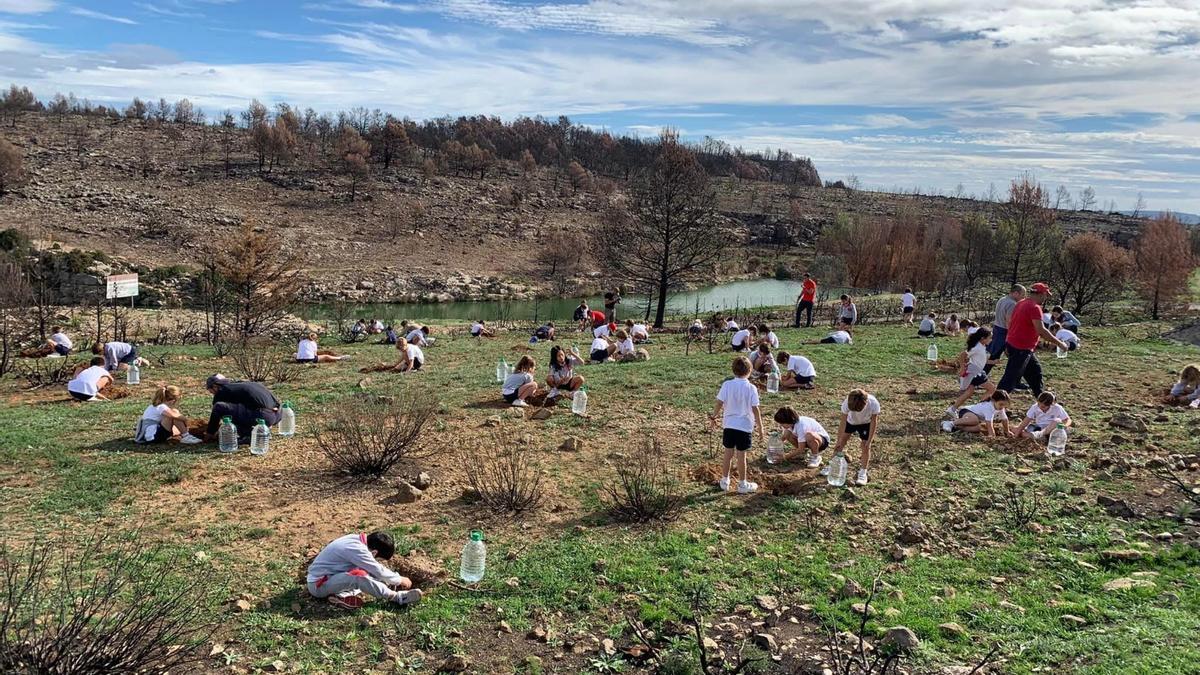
(504, 474)
(369, 436)
(102, 605)
(262, 363)
(644, 490)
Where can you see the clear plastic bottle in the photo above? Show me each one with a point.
(775, 448)
(287, 421)
(134, 374)
(1059, 352)
(579, 402)
(501, 371)
(1057, 446)
(773, 381)
(837, 469)
(260, 438)
(474, 558)
(932, 352)
(227, 440)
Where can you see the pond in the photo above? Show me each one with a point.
(735, 294)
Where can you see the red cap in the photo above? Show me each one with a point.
(1040, 288)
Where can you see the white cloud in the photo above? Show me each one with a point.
(91, 14)
(26, 6)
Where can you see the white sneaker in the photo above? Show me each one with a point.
(553, 393)
(947, 426)
(724, 484)
(189, 439)
(951, 411)
(519, 404)
(55, 355)
(825, 470)
(861, 479)
(814, 461)
(747, 487)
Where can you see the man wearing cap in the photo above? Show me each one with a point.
(1025, 328)
(1004, 310)
(244, 402)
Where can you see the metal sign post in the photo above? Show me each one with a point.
(121, 286)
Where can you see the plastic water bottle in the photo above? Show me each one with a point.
(931, 353)
(474, 558)
(227, 436)
(1060, 352)
(134, 374)
(1057, 446)
(775, 448)
(773, 382)
(837, 470)
(260, 438)
(579, 402)
(501, 371)
(287, 421)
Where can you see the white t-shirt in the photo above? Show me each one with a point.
(927, 325)
(951, 325)
(601, 331)
(61, 339)
(306, 350)
(801, 366)
(1046, 419)
(378, 325)
(1047, 318)
(1067, 336)
(639, 330)
(415, 353)
(986, 411)
(415, 335)
(1182, 388)
(841, 337)
(740, 397)
(514, 382)
(155, 412)
(599, 343)
(731, 325)
(476, 328)
(773, 339)
(862, 416)
(908, 300)
(86, 381)
(977, 358)
(807, 424)
(626, 346)
(741, 339)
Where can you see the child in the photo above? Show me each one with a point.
(60, 343)
(973, 369)
(737, 406)
(89, 382)
(389, 336)
(798, 373)
(411, 356)
(1066, 336)
(520, 385)
(349, 566)
(306, 352)
(928, 325)
(639, 332)
(951, 325)
(601, 350)
(358, 330)
(562, 372)
(582, 316)
(968, 326)
(860, 416)
(908, 302)
(376, 327)
(742, 339)
(625, 349)
(545, 331)
(419, 337)
(979, 418)
(761, 360)
(767, 335)
(162, 421)
(603, 330)
(1187, 389)
(479, 329)
(848, 312)
(1066, 318)
(696, 330)
(1042, 418)
(730, 324)
(841, 337)
(118, 355)
(802, 433)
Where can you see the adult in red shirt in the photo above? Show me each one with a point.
(804, 303)
(1025, 328)
(598, 318)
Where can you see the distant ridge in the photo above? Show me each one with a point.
(1185, 218)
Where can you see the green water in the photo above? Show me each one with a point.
(751, 293)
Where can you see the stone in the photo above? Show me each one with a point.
(1126, 583)
(571, 444)
(1120, 555)
(1115, 507)
(900, 554)
(503, 627)
(710, 644)
(901, 638)
(243, 605)
(952, 630)
(891, 612)
(766, 642)
(423, 481)
(407, 493)
(491, 422)
(539, 634)
(608, 647)
(276, 666)
(1128, 423)
(851, 589)
(768, 603)
(1073, 621)
(455, 664)
(913, 533)
(1012, 607)
(862, 608)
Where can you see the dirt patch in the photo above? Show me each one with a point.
(115, 392)
(38, 352)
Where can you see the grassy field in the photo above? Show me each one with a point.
(934, 525)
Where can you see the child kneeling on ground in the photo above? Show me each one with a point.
(1187, 389)
(162, 421)
(349, 567)
(737, 408)
(520, 385)
(798, 373)
(980, 418)
(1042, 418)
(804, 434)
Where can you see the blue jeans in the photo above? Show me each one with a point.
(996, 348)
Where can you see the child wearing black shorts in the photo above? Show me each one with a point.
(737, 408)
(860, 416)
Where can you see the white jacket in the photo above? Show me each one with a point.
(347, 553)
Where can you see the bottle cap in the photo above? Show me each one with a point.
(226, 420)
(476, 535)
(287, 404)
(260, 421)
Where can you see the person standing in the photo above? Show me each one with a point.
(1025, 328)
(908, 303)
(1004, 310)
(804, 302)
(611, 300)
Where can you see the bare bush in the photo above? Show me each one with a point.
(1018, 508)
(259, 362)
(39, 373)
(369, 437)
(102, 605)
(644, 490)
(1168, 475)
(504, 474)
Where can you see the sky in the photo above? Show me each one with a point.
(902, 94)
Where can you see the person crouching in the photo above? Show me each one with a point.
(349, 567)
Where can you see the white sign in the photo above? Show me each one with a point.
(121, 286)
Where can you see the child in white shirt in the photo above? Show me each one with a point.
(306, 352)
(60, 343)
(1187, 389)
(349, 567)
(161, 421)
(1043, 417)
(625, 349)
(928, 325)
(805, 434)
(798, 373)
(840, 337)
(1066, 336)
(972, 369)
(737, 408)
(743, 339)
(908, 303)
(860, 416)
(980, 418)
(767, 335)
(601, 350)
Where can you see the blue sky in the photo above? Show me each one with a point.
(933, 94)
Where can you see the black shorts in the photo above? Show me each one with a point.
(824, 443)
(1072, 346)
(61, 350)
(846, 321)
(509, 398)
(828, 341)
(161, 435)
(909, 310)
(599, 356)
(805, 379)
(80, 397)
(736, 439)
(131, 356)
(862, 430)
(925, 333)
(314, 359)
(416, 364)
(978, 379)
(738, 348)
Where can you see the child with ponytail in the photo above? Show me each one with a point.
(162, 421)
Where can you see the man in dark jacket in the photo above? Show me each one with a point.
(244, 402)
